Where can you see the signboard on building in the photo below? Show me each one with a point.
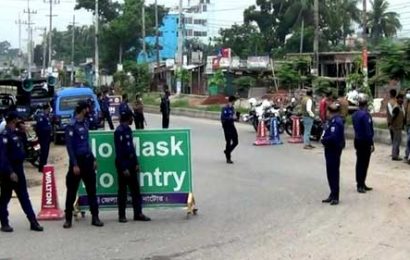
(115, 102)
(258, 62)
(209, 64)
(165, 164)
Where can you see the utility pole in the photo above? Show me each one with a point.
(72, 51)
(144, 46)
(364, 54)
(50, 35)
(44, 29)
(157, 35)
(97, 58)
(29, 12)
(316, 40)
(19, 22)
(180, 46)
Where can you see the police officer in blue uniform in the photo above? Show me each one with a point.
(82, 166)
(105, 108)
(124, 107)
(127, 165)
(228, 118)
(334, 142)
(12, 175)
(363, 142)
(43, 131)
(165, 108)
(92, 117)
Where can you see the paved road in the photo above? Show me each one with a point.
(265, 206)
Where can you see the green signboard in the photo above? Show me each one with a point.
(165, 168)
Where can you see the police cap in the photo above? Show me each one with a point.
(12, 115)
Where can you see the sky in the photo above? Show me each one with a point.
(228, 12)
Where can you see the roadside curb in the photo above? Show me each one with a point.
(381, 136)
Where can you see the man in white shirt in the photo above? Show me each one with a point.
(353, 96)
(308, 118)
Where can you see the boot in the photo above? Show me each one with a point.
(35, 226)
(96, 222)
(6, 228)
(68, 220)
(141, 217)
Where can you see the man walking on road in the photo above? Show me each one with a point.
(82, 166)
(334, 142)
(308, 118)
(139, 117)
(105, 108)
(12, 176)
(165, 108)
(389, 110)
(396, 126)
(363, 142)
(43, 131)
(228, 118)
(407, 123)
(127, 165)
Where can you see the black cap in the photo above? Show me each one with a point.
(232, 99)
(81, 106)
(11, 116)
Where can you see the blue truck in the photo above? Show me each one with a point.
(64, 103)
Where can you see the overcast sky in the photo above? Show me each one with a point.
(229, 12)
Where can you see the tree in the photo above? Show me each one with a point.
(244, 40)
(4, 48)
(108, 10)
(288, 75)
(382, 23)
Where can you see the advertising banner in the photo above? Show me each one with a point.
(115, 102)
(165, 174)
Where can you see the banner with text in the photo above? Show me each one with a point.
(165, 174)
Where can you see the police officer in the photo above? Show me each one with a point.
(139, 117)
(165, 108)
(92, 117)
(105, 108)
(124, 107)
(82, 166)
(363, 142)
(228, 118)
(43, 131)
(334, 142)
(12, 175)
(127, 165)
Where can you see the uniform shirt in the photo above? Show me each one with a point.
(12, 150)
(105, 104)
(126, 157)
(43, 125)
(334, 135)
(228, 115)
(77, 141)
(165, 105)
(124, 108)
(363, 126)
(92, 120)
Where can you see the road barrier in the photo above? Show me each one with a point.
(261, 135)
(274, 133)
(296, 137)
(50, 209)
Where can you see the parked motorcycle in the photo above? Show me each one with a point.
(263, 111)
(31, 144)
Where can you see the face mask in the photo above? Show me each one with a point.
(408, 95)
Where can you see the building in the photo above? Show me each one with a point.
(199, 21)
(168, 41)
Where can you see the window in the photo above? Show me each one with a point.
(200, 22)
(69, 103)
(200, 34)
(189, 32)
(188, 20)
(204, 8)
(177, 20)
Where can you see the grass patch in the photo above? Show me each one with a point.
(184, 103)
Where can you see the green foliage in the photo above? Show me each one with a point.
(244, 82)
(288, 76)
(183, 75)
(139, 83)
(181, 103)
(394, 62)
(382, 22)
(321, 85)
(218, 79)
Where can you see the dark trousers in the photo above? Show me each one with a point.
(88, 176)
(165, 121)
(20, 188)
(139, 120)
(132, 183)
(363, 154)
(332, 156)
(231, 138)
(44, 149)
(396, 143)
(107, 116)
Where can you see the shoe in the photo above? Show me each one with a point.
(328, 200)
(67, 224)
(397, 159)
(7, 229)
(122, 220)
(141, 217)
(361, 190)
(229, 161)
(307, 147)
(366, 188)
(35, 226)
(97, 222)
(334, 202)
(311, 146)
